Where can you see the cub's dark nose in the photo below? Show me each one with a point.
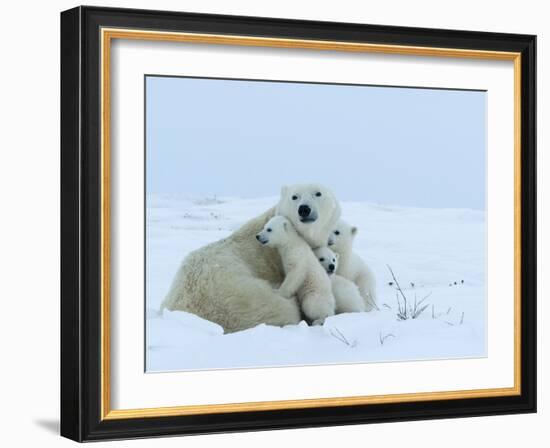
(304, 211)
(258, 237)
(331, 267)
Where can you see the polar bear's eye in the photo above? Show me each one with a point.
(318, 194)
(294, 197)
(337, 232)
(269, 230)
(321, 259)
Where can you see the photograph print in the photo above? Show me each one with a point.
(295, 224)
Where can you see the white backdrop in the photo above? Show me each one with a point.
(30, 236)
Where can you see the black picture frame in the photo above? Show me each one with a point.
(81, 224)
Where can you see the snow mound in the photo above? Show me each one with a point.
(439, 253)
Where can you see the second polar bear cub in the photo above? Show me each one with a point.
(304, 278)
(346, 293)
(350, 265)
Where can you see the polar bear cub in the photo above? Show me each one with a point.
(304, 276)
(346, 293)
(350, 265)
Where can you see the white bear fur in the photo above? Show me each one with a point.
(231, 282)
(305, 278)
(325, 208)
(346, 293)
(350, 265)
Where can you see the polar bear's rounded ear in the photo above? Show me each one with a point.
(353, 231)
(284, 190)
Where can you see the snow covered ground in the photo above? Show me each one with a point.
(435, 252)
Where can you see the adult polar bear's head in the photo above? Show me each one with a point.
(312, 209)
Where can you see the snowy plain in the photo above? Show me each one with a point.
(436, 254)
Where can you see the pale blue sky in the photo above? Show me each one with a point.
(400, 146)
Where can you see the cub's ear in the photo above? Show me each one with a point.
(284, 190)
(354, 231)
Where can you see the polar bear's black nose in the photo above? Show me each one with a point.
(304, 211)
(258, 237)
(331, 267)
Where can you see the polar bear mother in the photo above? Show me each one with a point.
(233, 282)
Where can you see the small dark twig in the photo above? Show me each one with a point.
(397, 285)
(383, 339)
(401, 312)
(418, 310)
(340, 336)
(405, 312)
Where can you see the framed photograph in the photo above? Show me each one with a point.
(273, 223)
